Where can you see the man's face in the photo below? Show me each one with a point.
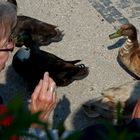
(6, 46)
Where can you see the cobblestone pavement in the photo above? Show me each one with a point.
(86, 24)
(118, 12)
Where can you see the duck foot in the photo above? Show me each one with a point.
(82, 73)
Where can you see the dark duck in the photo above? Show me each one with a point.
(41, 32)
(31, 63)
(129, 54)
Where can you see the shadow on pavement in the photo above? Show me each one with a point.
(61, 112)
(14, 84)
(80, 120)
(118, 44)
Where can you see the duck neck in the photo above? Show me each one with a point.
(31, 44)
(129, 44)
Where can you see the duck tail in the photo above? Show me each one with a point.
(59, 34)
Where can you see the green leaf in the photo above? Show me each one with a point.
(119, 113)
(61, 128)
(15, 104)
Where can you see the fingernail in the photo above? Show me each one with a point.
(46, 74)
(29, 101)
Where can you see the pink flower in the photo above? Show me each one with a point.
(8, 119)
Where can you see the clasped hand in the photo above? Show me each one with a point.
(44, 98)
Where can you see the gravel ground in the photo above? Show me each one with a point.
(86, 25)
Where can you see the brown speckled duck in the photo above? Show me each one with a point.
(129, 54)
(105, 105)
(41, 32)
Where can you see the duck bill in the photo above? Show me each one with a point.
(115, 35)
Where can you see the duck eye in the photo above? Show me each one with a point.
(126, 31)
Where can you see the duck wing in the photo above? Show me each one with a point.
(41, 32)
(63, 72)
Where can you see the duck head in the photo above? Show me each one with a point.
(24, 38)
(127, 30)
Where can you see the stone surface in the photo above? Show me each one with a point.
(86, 24)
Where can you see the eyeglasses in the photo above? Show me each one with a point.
(4, 47)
